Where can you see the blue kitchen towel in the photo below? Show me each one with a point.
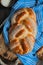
(37, 6)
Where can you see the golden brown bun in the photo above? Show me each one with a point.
(23, 31)
(4, 50)
(40, 53)
(6, 55)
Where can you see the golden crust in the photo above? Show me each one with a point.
(4, 52)
(23, 13)
(24, 31)
(7, 54)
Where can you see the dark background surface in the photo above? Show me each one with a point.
(4, 12)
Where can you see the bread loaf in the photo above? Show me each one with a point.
(23, 30)
(7, 57)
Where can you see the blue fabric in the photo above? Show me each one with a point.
(37, 6)
(5, 31)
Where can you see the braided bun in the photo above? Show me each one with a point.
(23, 31)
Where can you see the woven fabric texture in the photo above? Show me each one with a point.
(37, 6)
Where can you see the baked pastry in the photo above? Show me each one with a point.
(23, 30)
(4, 51)
(40, 53)
(7, 57)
